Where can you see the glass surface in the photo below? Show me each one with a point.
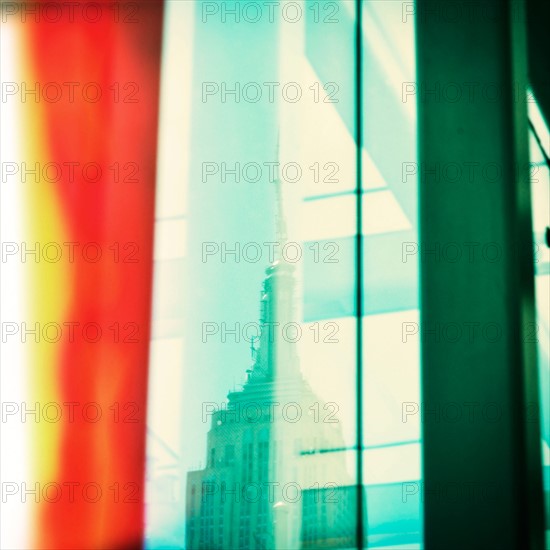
(539, 334)
(253, 423)
(391, 356)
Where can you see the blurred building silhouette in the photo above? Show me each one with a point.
(275, 474)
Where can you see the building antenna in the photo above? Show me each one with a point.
(280, 222)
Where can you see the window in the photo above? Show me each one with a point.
(266, 304)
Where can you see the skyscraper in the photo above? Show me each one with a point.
(275, 476)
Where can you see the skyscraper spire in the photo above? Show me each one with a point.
(275, 357)
(280, 222)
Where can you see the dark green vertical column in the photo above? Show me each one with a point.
(482, 451)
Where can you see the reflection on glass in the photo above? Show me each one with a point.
(539, 335)
(276, 476)
(254, 363)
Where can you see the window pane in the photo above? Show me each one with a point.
(252, 444)
(391, 346)
(540, 333)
